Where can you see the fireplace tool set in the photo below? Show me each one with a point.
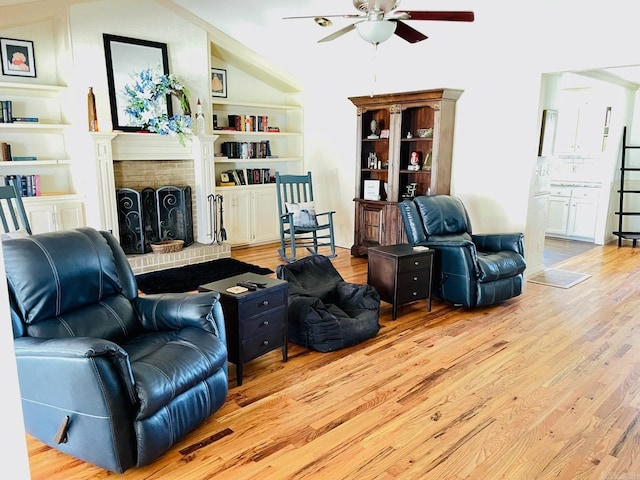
(216, 211)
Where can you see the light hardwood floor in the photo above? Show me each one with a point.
(544, 386)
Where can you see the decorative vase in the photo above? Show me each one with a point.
(92, 115)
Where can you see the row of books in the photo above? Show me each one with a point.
(249, 123)
(260, 149)
(6, 113)
(29, 184)
(247, 176)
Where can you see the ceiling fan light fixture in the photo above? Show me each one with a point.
(376, 31)
(323, 22)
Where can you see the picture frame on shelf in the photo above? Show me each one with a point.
(384, 133)
(17, 57)
(219, 82)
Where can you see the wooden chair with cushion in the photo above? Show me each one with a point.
(300, 225)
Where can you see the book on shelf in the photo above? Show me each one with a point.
(25, 119)
(7, 111)
(23, 159)
(29, 185)
(5, 152)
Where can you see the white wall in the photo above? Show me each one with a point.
(497, 60)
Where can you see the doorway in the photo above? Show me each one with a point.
(557, 250)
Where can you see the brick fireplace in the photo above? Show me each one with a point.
(137, 161)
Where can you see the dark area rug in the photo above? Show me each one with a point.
(190, 277)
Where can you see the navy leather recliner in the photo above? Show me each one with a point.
(469, 270)
(107, 376)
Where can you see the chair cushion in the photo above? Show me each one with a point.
(443, 215)
(304, 214)
(495, 266)
(166, 364)
(44, 272)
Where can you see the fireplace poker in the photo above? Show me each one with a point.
(213, 213)
(223, 232)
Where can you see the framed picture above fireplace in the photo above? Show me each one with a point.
(126, 57)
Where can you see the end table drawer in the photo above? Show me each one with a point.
(264, 324)
(256, 346)
(413, 263)
(259, 304)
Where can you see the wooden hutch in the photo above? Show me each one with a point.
(395, 159)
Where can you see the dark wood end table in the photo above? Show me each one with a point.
(255, 321)
(401, 274)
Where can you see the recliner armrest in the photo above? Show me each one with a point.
(499, 242)
(174, 311)
(456, 256)
(51, 359)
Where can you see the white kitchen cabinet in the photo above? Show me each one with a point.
(250, 215)
(558, 217)
(573, 212)
(48, 214)
(583, 212)
(581, 122)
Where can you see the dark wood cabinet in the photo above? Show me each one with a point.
(384, 162)
(255, 321)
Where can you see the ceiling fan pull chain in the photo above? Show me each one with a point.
(373, 68)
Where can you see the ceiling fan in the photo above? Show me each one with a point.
(380, 20)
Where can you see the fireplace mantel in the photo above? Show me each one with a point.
(119, 146)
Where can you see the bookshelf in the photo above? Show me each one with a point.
(250, 208)
(46, 141)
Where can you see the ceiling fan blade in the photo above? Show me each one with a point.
(408, 33)
(443, 16)
(338, 33)
(348, 15)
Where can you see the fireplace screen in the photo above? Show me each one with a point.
(154, 215)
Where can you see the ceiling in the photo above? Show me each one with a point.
(267, 17)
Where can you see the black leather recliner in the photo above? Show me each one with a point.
(469, 270)
(107, 376)
(325, 312)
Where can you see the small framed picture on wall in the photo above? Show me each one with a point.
(218, 82)
(17, 57)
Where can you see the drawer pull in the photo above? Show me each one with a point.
(265, 302)
(265, 342)
(416, 263)
(415, 279)
(414, 293)
(265, 323)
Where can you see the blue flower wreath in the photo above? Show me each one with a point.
(145, 108)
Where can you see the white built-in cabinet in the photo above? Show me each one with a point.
(573, 212)
(48, 140)
(250, 215)
(52, 215)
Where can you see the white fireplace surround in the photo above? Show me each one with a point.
(101, 204)
(116, 146)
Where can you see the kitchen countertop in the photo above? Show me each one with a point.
(575, 183)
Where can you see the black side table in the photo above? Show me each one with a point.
(256, 321)
(401, 274)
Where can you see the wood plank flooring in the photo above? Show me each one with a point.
(544, 386)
